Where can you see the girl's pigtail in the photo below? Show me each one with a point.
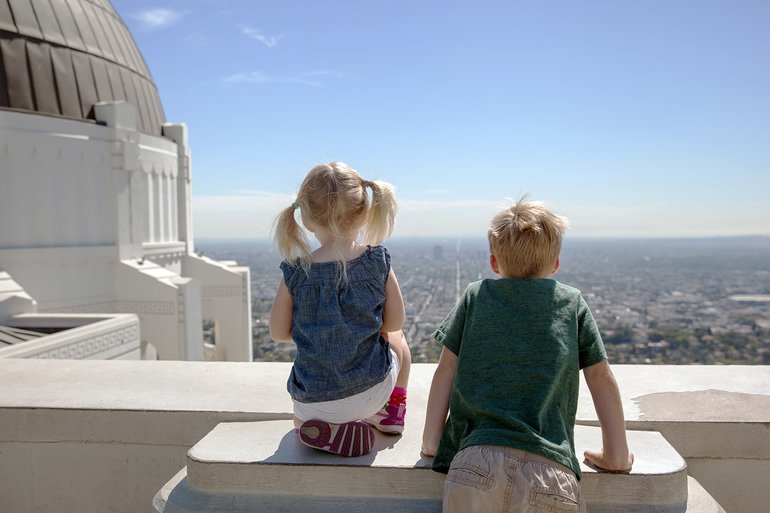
(290, 238)
(382, 212)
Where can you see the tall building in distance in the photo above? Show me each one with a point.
(96, 242)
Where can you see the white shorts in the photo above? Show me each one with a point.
(356, 407)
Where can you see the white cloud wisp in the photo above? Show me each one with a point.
(256, 34)
(308, 78)
(158, 18)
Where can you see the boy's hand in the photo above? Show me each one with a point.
(602, 463)
(438, 401)
(429, 452)
(614, 456)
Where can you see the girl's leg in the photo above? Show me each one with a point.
(390, 418)
(397, 341)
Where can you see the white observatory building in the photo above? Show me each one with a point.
(96, 241)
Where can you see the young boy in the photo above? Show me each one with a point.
(509, 376)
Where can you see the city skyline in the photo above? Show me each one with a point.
(632, 120)
(655, 301)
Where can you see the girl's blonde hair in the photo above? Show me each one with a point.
(333, 197)
(526, 239)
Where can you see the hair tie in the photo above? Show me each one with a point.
(366, 183)
(294, 204)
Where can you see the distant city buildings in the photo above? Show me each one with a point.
(654, 303)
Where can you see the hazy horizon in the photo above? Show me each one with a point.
(674, 301)
(759, 237)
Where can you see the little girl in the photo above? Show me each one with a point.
(342, 307)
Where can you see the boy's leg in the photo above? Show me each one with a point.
(477, 481)
(485, 478)
(542, 484)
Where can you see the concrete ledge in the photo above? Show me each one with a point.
(168, 386)
(702, 404)
(267, 457)
(177, 496)
(137, 419)
(125, 426)
(716, 416)
(130, 402)
(261, 388)
(263, 467)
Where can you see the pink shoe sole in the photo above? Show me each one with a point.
(350, 439)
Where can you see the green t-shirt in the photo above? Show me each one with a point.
(520, 345)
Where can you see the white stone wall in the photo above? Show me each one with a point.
(95, 217)
(226, 296)
(14, 299)
(126, 426)
(56, 185)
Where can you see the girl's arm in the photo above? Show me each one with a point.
(393, 311)
(438, 401)
(614, 455)
(280, 314)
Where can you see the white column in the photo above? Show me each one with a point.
(120, 117)
(177, 132)
(174, 213)
(151, 213)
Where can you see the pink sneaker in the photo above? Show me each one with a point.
(349, 439)
(390, 418)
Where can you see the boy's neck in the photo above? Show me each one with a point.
(499, 270)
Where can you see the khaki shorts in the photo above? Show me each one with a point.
(485, 478)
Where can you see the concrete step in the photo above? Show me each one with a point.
(261, 466)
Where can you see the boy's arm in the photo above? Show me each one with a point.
(280, 314)
(614, 455)
(393, 310)
(438, 401)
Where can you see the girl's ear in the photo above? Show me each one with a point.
(493, 264)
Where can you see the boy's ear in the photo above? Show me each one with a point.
(493, 264)
(556, 265)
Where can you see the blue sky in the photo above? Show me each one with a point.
(633, 119)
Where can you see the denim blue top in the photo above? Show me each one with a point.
(336, 327)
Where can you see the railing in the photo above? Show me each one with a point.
(82, 336)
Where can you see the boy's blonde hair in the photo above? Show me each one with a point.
(333, 197)
(525, 238)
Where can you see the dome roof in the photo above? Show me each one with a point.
(59, 57)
